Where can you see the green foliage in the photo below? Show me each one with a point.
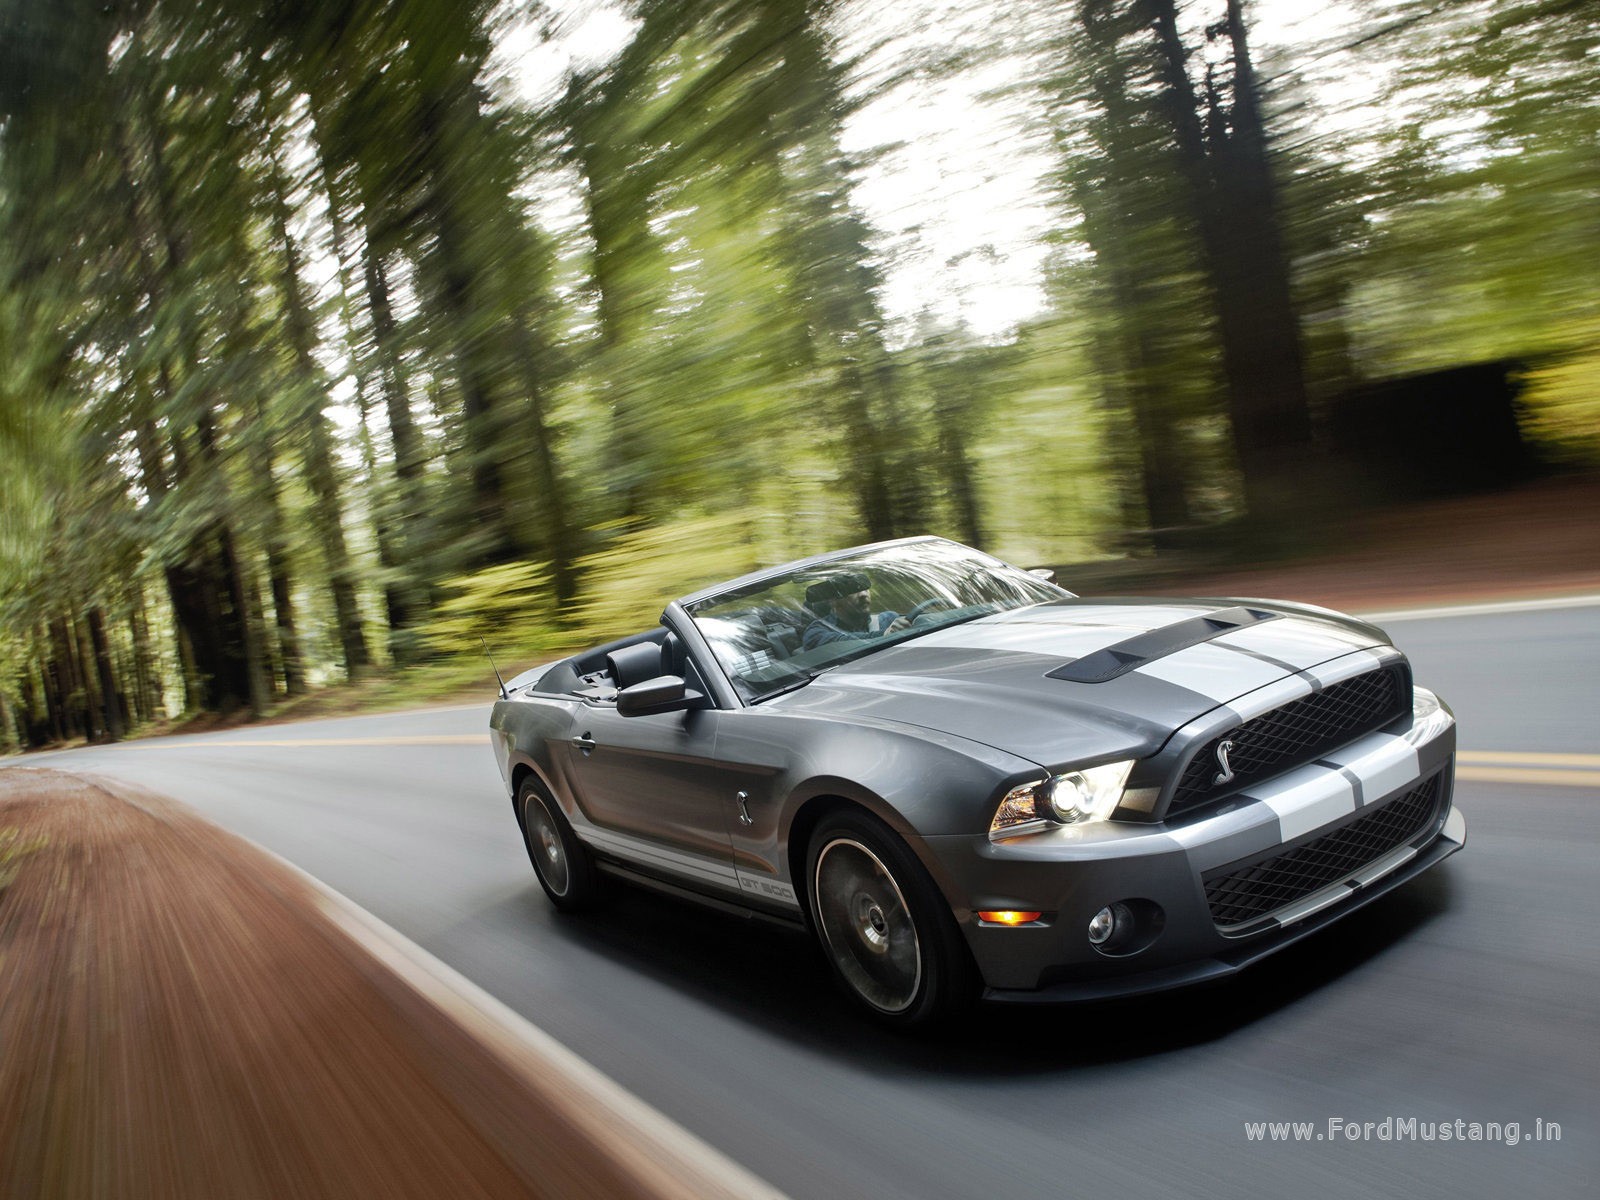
(627, 585)
(1486, 194)
(631, 581)
(315, 336)
(510, 605)
(1562, 399)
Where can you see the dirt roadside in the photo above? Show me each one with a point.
(1542, 539)
(183, 1016)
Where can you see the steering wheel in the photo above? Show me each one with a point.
(918, 610)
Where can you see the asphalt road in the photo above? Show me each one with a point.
(1470, 995)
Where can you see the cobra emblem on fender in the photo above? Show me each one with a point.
(1224, 748)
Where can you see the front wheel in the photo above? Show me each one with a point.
(563, 864)
(886, 930)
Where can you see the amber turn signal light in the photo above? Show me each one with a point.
(1009, 917)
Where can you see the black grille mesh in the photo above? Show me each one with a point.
(1292, 735)
(1240, 895)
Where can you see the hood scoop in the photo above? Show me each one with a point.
(1133, 653)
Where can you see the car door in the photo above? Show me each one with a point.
(755, 754)
(651, 793)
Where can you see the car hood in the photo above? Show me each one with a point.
(989, 680)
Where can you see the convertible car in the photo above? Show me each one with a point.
(967, 781)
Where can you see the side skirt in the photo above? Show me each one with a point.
(628, 875)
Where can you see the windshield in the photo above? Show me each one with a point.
(780, 632)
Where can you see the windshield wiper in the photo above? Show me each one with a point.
(983, 610)
(788, 687)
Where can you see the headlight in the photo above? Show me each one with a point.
(1088, 795)
(1067, 799)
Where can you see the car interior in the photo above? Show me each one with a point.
(599, 673)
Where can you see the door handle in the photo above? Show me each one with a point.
(744, 812)
(584, 742)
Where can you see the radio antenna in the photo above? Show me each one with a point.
(495, 669)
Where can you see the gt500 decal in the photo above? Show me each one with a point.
(770, 888)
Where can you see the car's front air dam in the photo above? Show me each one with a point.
(1070, 873)
(1230, 962)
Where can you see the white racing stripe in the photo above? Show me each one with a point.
(1072, 632)
(1295, 640)
(1383, 762)
(1265, 699)
(1345, 667)
(1064, 641)
(1307, 799)
(1212, 671)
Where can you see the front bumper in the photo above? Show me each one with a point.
(1069, 873)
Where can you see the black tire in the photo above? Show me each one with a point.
(886, 930)
(563, 864)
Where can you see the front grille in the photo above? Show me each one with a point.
(1293, 735)
(1239, 895)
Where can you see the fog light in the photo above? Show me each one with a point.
(1110, 924)
(1009, 917)
(1102, 925)
(1126, 927)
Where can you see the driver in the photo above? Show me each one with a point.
(842, 608)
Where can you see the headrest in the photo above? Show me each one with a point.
(634, 664)
(846, 583)
(673, 658)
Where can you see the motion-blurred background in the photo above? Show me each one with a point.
(335, 333)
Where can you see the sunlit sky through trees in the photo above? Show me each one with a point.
(336, 334)
(954, 164)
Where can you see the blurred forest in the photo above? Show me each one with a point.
(334, 333)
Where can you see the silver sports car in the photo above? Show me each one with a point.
(966, 780)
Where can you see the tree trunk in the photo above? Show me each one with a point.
(389, 527)
(231, 683)
(465, 311)
(204, 599)
(1146, 316)
(1256, 307)
(95, 696)
(961, 480)
(109, 692)
(618, 216)
(145, 687)
(58, 687)
(12, 732)
(559, 547)
(289, 658)
(1234, 201)
(256, 655)
(193, 692)
(37, 733)
(826, 244)
(321, 476)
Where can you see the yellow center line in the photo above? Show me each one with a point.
(1525, 766)
(1590, 779)
(1476, 766)
(432, 739)
(1519, 758)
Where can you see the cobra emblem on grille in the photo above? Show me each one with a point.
(1224, 748)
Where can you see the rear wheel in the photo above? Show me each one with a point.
(563, 864)
(886, 930)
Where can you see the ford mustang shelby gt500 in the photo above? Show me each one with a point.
(961, 777)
